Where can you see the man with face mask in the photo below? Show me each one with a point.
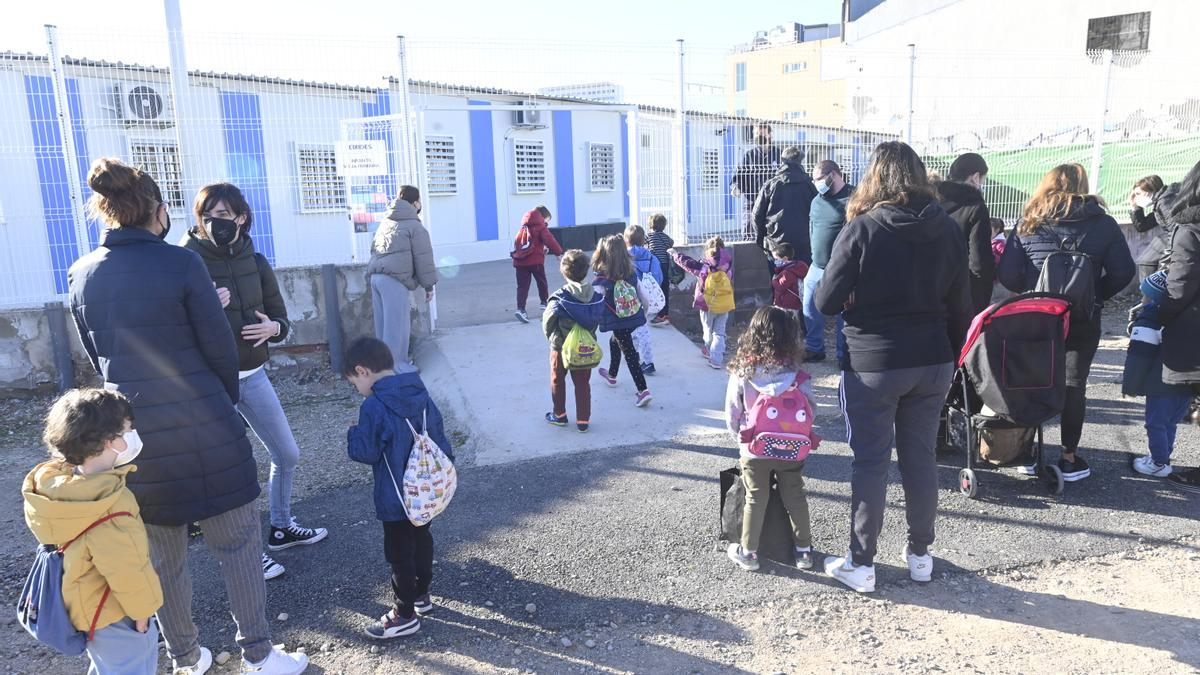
(826, 217)
(755, 169)
(961, 195)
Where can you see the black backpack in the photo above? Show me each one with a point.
(1070, 272)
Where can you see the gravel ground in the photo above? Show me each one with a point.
(614, 553)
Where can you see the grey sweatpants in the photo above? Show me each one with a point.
(235, 538)
(391, 304)
(901, 405)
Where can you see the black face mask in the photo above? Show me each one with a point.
(222, 231)
(165, 228)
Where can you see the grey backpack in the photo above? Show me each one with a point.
(1069, 271)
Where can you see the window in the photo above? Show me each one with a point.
(440, 168)
(161, 160)
(602, 167)
(321, 190)
(1124, 31)
(740, 74)
(793, 115)
(797, 67)
(529, 159)
(710, 170)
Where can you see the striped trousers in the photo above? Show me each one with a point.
(235, 538)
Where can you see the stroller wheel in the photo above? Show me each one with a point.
(968, 484)
(1054, 478)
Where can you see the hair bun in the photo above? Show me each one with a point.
(110, 177)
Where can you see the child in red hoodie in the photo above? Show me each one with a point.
(786, 285)
(529, 257)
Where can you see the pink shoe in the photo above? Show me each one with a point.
(704, 352)
(643, 398)
(611, 381)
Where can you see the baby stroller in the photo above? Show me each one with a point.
(1010, 376)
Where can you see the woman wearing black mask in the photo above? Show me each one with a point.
(254, 306)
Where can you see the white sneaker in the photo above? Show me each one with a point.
(1147, 466)
(201, 666)
(860, 578)
(278, 662)
(920, 567)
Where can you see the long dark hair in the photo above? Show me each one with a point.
(1189, 191)
(895, 176)
(771, 339)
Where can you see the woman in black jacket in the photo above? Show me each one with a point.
(1062, 213)
(254, 306)
(151, 323)
(1180, 310)
(899, 271)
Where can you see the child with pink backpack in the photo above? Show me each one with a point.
(768, 406)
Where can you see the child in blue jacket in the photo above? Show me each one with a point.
(382, 430)
(1166, 404)
(616, 278)
(645, 263)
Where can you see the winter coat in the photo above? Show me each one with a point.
(1161, 222)
(899, 272)
(115, 554)
(702, 268)
(1096, 234)
(609, 321)
(576, 302)
(540, 239)
(646, 263)
(402, 249)
(782, 208)
(964, 203)
(785, 285)
(1143, 374)
(1180, 311)
(826, 217)
(150, 321)
(755, 169)
(252, 288)
(742, 392)
(383, 432)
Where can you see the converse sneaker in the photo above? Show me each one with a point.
(392, 625)
(858, 577)
(920, 567)
(423, 605)
(278, 662)
(1147, 466)
(271, 569)
(747, 560)
(199, 668)
(556, 420)
(643, 398)
(294, 535)
(521, 316)
(610, 381)
(1186, 480)
(1073, 471)
(804, 558)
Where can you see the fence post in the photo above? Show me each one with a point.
(66, 129)
(633, 142)
(60, 345)
(333, 318)
(912, 80)
(411, 135)
(1101, 119)
(179, 86)
(679, 194)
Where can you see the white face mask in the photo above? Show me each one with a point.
(133, 447)
(1142, 201)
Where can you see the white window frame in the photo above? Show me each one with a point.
(532, 184)
(171, 185)
(795, 67)
(441, 165)
(327, 196)
(602, 167)
(710, 169)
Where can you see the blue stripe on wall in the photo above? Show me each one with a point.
(483, 173)
(75, 103)
(687, 168)
(728, 160)
(246, 162)
(52, 177)
(564, 167)
(382, 105)
(625, 163)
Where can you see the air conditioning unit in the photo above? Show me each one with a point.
(143, 103)
(529, 116)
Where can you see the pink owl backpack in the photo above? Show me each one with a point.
(780, 427)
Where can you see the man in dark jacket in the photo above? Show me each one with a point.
(1180, 310)
(752, 172)
(961, 196)
(826, 216)
(781, 210)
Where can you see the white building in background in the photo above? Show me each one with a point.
(600, 92)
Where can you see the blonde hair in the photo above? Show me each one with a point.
(122, 195)
(1054, 195)
(611, 259)
(895, 176)
(713, 246)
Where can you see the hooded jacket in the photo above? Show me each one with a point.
(899, 272)
(577, 302)
(59, 505)
(826, 217)
(785, 285)
(540, 239)
(742, 392)
(1180, 309)
(402, 249)
(702, 268)
(964, 203)
(755, 169)
(382, 431)
(782, 208)
(609, 320)
(252, 288)
(646, 263)
(1158, 251)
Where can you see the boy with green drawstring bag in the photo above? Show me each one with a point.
(570, 321)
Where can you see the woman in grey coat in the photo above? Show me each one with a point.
(401, 262)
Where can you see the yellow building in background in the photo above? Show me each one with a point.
(778, 76)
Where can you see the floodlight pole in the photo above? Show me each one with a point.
(912, 79)
(1101, 120)
(679, 197)
(179, 86)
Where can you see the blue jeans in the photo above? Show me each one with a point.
(713, 326)
(814, 320)
(1163, 415)
(119, 649)
(260, 406)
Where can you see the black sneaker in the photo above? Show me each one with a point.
(647, 368)
(1073, 471)
(392, 625)
(423, 605)
(294, 535)
(813, 357)
(1186, 480)
(194, 530)
(271, 569)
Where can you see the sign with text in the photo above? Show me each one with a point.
(362, 158)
